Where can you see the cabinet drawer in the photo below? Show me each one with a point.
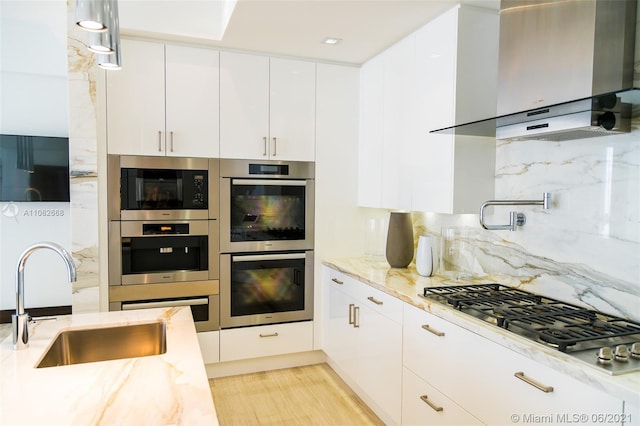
(265, 340)
(209, 346)
(422, 404)
(366, 295)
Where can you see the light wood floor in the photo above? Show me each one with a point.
(310, 395)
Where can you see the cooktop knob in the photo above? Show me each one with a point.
(622, 353)
(605, 355)
(635, 350)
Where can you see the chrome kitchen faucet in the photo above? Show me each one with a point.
(20, 320)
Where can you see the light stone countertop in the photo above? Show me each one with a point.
(171, 388)
(405, 284)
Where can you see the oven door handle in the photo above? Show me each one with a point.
(164, 304)
(257, 257)
(269, 182)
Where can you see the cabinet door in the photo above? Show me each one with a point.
(338, 331)
(135, 101)
(193, 99)
(379, 360)
(292, 112)
(371, 142)
(422, 404)
(244, 106)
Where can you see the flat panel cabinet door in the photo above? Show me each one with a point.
(292, 110)
(244, 106)
(192, 93)
(371, 142)
(135, 101)
(422, 404)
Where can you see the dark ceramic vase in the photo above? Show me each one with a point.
(399, 250)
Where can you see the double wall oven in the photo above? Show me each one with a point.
(164, 235)
(266, 242)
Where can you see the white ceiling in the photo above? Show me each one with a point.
(297, 27)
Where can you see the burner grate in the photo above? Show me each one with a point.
(546, 320)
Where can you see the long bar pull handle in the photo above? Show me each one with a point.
(546, 389)
(356, 317)
(159, 140)
(171, 134)
(337, 281)
(351, 306)
(433, 330)
(427, 401)
(274, 146)
(264, 142)
(269, 335)
(374, 300)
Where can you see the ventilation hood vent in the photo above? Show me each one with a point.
(565, 71)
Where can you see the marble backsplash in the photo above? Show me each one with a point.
(585, 249)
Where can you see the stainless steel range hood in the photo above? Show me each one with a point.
(565, 70)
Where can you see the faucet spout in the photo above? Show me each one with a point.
(21, 318)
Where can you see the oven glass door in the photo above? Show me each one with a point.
(267, 288)
(267, 210)
(163, 189)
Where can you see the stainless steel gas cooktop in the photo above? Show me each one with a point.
(610, 344)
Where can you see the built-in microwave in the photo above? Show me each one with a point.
(162, 188)
(266, 205)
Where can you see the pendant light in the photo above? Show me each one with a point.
(108, 49)
(91, 15)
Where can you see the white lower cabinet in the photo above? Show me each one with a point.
(493, 383)
(422, 404)
(362, 335)
(265, 340)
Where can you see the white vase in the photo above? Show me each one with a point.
(425, 255)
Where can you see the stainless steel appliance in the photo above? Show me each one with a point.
(162, 188)
(266, 205)
(265, 288)
(565, 71)
(608, 343)
(145, 252)
(201, 296)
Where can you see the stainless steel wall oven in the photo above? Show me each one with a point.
(266, 205)
(162, 188)
(266, 288)
(146, 252)
(266, 242)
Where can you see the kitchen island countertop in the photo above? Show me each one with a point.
(405, 284)
(171, 388)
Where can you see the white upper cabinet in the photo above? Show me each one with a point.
(387, 127)
(443, 74)
(164, 101)
(267, 107)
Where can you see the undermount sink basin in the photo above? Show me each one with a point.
(103, 344)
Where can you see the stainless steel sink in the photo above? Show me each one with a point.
(103, 344)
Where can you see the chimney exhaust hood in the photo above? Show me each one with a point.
(565, 71)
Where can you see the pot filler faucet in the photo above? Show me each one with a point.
(20, 320)
(515, 218)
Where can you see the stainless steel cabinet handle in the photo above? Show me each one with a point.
(433, 330)
(426, 400)
(374, 300)
(337, 281)
(356, 317)
(264, 142)
(351, 306)
(269, 335)
(159, 141)
(520, 375)
(171, 133)
(274, 147)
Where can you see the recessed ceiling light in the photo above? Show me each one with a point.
(332, 40)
